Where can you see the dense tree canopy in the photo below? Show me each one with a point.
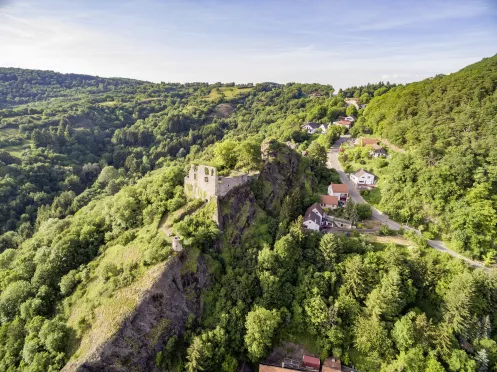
(89, 167)
(447, 177)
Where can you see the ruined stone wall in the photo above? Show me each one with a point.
(228, 183)
(201, 182)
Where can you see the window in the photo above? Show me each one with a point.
(206, 179)
(212, 172)
(206, 171)
(195, 176)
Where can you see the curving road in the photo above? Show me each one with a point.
(378, 215)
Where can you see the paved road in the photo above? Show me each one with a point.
(378, 215)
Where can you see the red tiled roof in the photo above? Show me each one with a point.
(341, 188)
(264, 368)
(311, 361)
(369, 141)
(328, 199)
(344, 122)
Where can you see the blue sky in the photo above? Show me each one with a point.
(334, 42)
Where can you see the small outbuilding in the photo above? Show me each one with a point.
(311, 363)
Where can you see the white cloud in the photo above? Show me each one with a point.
(214, 45)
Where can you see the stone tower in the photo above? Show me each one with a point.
(177, 246)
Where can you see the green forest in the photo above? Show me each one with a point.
(92, 171)
(446, 181)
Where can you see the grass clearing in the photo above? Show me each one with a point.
(109, 103)
(372, 196)
(228, 92)
(97, 309)
(109, 313)
(16, 150)
(397, 240)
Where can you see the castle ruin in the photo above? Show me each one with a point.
(203, 182)
(177, 246)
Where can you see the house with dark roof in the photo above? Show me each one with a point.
(378, 151)
(311, 127)
(314, 217)
(362, 177)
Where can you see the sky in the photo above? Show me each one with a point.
(343, 43)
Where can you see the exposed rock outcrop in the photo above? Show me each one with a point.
(161, 314)
(284, 170)
(167, 305)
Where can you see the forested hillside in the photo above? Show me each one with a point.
(72, 149)
(446, 181)
(91, 188)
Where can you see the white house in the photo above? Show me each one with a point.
(324, 127)
(341, 191)
(313, 219)
(310, 127)
(328, 201)
(361, 177)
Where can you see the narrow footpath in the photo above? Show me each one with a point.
(333, 162)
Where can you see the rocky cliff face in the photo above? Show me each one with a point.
(284, 170)
(162, 313)
(167, 305)
(246, 208)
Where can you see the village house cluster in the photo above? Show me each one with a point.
(308, 363)
(343, 121)
(316, 217)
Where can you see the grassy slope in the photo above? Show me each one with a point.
(229, 92)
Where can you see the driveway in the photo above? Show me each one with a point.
(333, 162)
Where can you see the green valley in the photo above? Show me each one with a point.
(170, 227)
